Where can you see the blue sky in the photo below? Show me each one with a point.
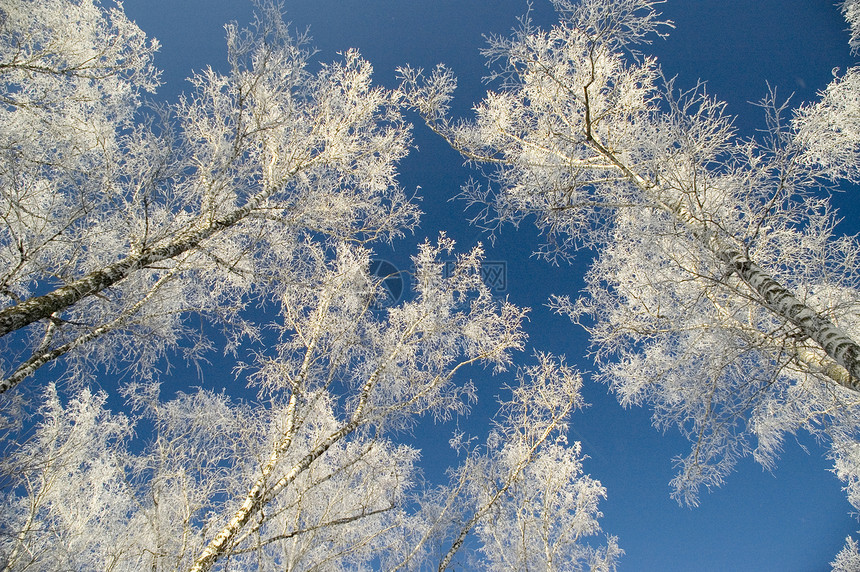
(795, 518)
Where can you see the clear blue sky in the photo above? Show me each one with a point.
(793, 519)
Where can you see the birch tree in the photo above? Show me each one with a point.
(721, 292)
(521, 497)
(535, 509)
(268, 183)
(310, 476)
(119, 222)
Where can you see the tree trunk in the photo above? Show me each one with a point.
(260, 495)
(835, 343)
(41, 307)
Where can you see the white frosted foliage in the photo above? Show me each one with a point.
(722, 293)
(120, 222)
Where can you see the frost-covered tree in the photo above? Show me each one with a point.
(118, 222)
(71, 466)
(535, 508)
(370, 376)
(521, 497)
(311, 475)
(265, 183)
(721, 292)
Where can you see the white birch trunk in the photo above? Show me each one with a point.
(835, 343)
(41, 307)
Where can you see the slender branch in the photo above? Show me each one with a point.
(40, 307)
(335, 522)
(776, 297)
(41, 357)
(509, 481)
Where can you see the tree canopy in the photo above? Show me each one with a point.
(243, 217)
(265, 186)
(719, 294)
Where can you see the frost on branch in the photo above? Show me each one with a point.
(525, 496)
(722, 293)
(848, 559)
(64, 496)
(71, 72)
(559, 88)
(829, 129)
(306, 475)
(851, 11)
(119, 222)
